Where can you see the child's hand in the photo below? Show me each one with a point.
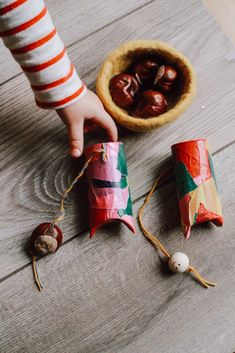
(88, 108)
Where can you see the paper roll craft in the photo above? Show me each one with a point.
(109, 193)
(196, 184)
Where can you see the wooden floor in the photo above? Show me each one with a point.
(113, 293)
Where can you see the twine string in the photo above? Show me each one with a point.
(156, 242)
(201, 279)
(35, 274)
(75, 180)
(61, 215)
(146, 232)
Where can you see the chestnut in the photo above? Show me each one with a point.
(165, 77)
(124, 89)
(145, 70)
(149, 104)
(46, 239)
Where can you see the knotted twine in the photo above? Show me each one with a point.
(61, 215)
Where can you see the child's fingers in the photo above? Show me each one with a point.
(106, 122)
(75, 133)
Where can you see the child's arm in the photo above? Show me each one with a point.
(28, 32)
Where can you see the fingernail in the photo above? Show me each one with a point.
(76, 152)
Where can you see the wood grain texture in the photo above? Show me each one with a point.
(115, 294)
(74, 20)
(224, 13)
(34, 166)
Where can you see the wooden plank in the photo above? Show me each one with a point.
(224, 13)
(38, 168)
(74, 21)
(115, 294)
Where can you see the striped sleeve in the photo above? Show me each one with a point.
(28, 32)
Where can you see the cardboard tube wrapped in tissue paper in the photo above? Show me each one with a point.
(196, 184)
(109, 193)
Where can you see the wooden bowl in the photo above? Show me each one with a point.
(119, 61)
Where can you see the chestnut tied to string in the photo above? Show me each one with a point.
(47, 237)
(109, 199)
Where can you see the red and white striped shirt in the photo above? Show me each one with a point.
(28, 32)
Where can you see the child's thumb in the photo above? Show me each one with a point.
(75, 132)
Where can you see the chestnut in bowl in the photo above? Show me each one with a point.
(165, 77)
(145, 70)
(123, 59)
(149, 104)
(124, 89)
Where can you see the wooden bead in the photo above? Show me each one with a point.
(179, 262)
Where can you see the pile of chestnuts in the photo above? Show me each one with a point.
(142, 88)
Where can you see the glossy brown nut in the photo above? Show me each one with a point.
(145, 70)
(124, 89)
(149, 104)
(46, 239)
(165, 77)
